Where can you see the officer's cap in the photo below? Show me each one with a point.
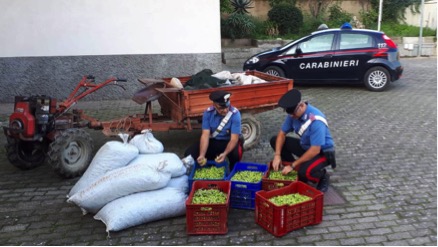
(290, 99)
(220, 97)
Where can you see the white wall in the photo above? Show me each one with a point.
(429, 16)
(108, 27)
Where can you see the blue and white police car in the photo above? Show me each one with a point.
(334, 55)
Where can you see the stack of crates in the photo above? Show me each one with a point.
(271, 184)
(209, 164)
(279, 220)
(243, 193)
(208, 218)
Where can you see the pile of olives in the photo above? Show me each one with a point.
(289, 199)
(211, 172)
(277, 175)
(209, 196)
(247, 176)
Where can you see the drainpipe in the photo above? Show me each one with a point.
(420, 40)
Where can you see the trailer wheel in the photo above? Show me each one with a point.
(25, 154)
(251, 131)
(70, 153)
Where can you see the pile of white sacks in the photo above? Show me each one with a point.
(132, 183)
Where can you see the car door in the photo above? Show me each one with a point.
(311, 58)
(354, 50)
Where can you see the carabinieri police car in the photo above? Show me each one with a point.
(335, 55)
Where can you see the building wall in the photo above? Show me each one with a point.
(429, 16)
(48, 45)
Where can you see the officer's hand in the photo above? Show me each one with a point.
(286, 170)
(201, 160)
(220, 158)
(276, 162)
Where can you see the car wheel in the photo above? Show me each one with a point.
(377, 79)
(275, 71)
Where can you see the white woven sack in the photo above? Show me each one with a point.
(181, 183)
(111, 155)
(171, 162)
(118, 183)
(143, 207)
(223, 75)
(146, 143)
(175, 82)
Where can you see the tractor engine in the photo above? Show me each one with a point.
(33, 117)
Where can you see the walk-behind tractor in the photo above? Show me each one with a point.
(41, 129)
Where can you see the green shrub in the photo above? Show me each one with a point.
(337, 16)
(237, 26)
(225, 6)
(288, 18)
(404, 30)
(369, 18)
(241, 6)
(310, 24)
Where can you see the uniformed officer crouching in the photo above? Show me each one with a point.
(221, 128)
(314, 147)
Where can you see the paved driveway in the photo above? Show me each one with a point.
(386, 150)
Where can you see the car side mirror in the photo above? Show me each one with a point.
(298, 52)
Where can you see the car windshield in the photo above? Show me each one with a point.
(288, 45)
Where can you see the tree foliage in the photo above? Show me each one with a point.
(394, 10)
(317, 8)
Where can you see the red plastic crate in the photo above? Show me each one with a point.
(208, 218)
(279, 220)
(272, 184)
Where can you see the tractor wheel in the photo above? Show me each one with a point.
(25, 154)
(71, 152)
(251, 131)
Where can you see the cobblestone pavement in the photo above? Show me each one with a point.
(386, 151)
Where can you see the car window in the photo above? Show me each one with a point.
(317, 44)
(291, 50)
(355, 41)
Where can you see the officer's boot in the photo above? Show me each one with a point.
(324, 181)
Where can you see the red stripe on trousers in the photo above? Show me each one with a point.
(317, 162)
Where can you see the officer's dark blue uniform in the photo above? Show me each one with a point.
(315, 147)
(317, 134)
(219, 138)
(211, 120)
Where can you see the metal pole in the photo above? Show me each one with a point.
(420, 39)
(380, 15)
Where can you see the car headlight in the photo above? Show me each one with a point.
(252, 60)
